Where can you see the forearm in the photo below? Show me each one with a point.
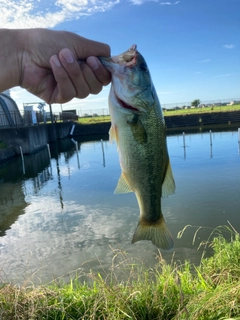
(10, 58)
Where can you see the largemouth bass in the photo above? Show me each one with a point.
(138, 127)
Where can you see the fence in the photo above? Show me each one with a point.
(37, 117)
(209, 103)
(10, 119)
(34, 118)
(170, 106)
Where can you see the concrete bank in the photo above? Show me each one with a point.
(204, 119)
(6, 154)
(31, 139)
(188, 121)
(91, 129)
(34, 138)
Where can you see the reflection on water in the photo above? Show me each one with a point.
(62, 214)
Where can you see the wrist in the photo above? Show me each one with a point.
(10, 58)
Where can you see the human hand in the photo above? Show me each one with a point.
(57, 66)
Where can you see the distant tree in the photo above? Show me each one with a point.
(196, 103)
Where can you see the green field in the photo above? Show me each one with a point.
(202, 110)
(91, 120)
(168, 113)
(166, 291)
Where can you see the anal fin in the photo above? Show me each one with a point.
(122, 186)
(168, 186)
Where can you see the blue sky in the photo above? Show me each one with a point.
(192, 47)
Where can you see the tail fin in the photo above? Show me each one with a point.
(157, 232)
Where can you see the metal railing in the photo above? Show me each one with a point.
(12, 118)
(207, 103)
(36, 117)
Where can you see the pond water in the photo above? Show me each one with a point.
(62, 215)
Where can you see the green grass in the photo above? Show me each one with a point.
(2, 145)
(168, 113)
(213, 109)
(92, 120)
(178, 291)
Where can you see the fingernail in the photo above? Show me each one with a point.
(56, 61)
(67, 55)
(93, 63)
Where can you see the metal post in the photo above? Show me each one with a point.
(184, 144)
(103, 153)
(73, 127)
(49, 152)
(51, 114)
(239, 140)
(76, 145)
(23, 164)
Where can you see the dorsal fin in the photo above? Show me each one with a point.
(122, 186)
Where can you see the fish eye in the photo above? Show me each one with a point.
(143, 66)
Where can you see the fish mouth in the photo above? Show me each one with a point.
(124, 105)
(127, 58)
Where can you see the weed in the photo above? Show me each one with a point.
(167, 291)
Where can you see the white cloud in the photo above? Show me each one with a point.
(139, 2)
(204, 61)
(169, 3)
(16, 92)
(225, 75)
(229, 46)
(47, 14)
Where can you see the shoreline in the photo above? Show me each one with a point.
(35, 138)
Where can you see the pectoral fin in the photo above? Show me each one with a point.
(113, 133)
(122, 186)
(138, 130)
(168, 186)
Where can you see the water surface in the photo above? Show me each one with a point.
(62, 214)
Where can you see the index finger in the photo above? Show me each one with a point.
(84, 48)
(101, 73)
